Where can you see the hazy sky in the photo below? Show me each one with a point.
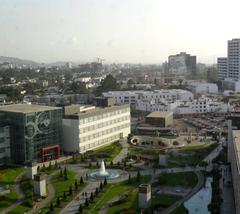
(145, 31)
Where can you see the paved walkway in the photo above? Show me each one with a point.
(51, 194)
(19, 192)
(228, 206)
(73, 206)
(123, 152)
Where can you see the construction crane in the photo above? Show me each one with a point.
(100, 60)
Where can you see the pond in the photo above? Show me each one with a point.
(198, 203)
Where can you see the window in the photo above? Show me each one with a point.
(2, 140)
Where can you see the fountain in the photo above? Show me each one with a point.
(102, 170)
(102, 173)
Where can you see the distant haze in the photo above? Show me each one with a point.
(134, 31)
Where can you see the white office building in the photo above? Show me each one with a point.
(198, 87)
(89, 128)
(130, 97)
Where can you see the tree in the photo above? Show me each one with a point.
(138, 176)
(90, 164)
(130, 82)
(64, 195)
(108, 84)
(81, 180)
(65, 174)
(58, 201)
(96, 191)
(76, 185)
(50, 165)
(105, 181)
(80, 209)
(101, 186)
(56, 165)
(51, 207)
(86, 202)
(111, 163)
(91, 196)
(129, 179)
(61, 173)
(118, 163)
(70, 190)
(97, 164)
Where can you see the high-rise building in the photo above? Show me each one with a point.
(182, 63)
(35, 132)
(222, 68)
(234, 59)
(229, 67)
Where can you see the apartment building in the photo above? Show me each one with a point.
(89, 128)
(130, 97)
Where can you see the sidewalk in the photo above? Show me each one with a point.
(228, 206)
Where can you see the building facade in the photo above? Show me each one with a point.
(229, 67)
(4, 144)
(234, 59)
(182, 63)
(222, 68)
(35, 132)
(234, 158)
(89, 129)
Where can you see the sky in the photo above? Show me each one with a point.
(120, 31)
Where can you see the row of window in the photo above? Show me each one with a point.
(105, 132)
(100, 142)
(105, 115)
(104, 124)
(2, 150)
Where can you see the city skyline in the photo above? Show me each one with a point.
(118, 31)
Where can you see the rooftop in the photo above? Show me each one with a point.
(95, 111)
(26, 108)
(159, 114)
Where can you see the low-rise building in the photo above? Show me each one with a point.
(198, 87)
(89, 128)
(160, 119)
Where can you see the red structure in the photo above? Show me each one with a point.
(47, 151)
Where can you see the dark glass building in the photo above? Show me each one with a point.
(35, 132)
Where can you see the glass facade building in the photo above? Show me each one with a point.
(35, 132)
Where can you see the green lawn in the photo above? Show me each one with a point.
(27, 187)
(164, 200)
(115, 190)
(130, 204)
(180, 210)
(7, 178)
(187, 179)
(108, 152)
(191, 155)
(61, 185)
